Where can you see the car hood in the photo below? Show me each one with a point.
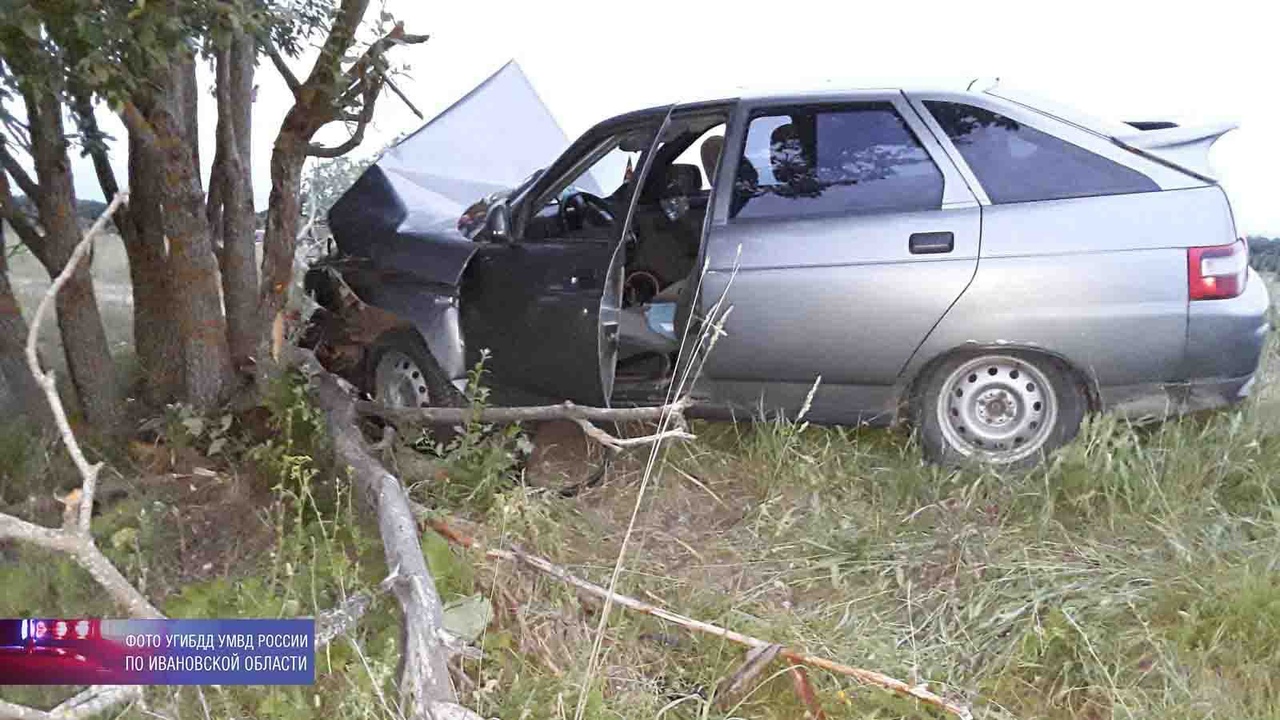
(403, 212)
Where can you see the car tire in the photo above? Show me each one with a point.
(1003, 408)
(401, 372)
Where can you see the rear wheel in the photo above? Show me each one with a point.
(403, 373)
(1006, 409)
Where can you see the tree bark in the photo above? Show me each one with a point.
(155, 329)
(280, 242)
(158, 354)
(84, 341)
(235, 217)
(314, 107)
(206, 357)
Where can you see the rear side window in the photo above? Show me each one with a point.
(852, 159)
(1016, 163)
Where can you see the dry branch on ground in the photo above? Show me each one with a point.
(918, 692)
(424, 680)
(584, 416)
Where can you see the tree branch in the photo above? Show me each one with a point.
(88, 703)
(93, 138)
(871, 677)
(282, 67)
(138, 124)
(74, 538)
(373, 54)
(25, 183)
(563, 411)
(19, 220)
(617, 444)
(404, 98)
(321, 151)
(371, 89)
(45, 380)
(425, 672)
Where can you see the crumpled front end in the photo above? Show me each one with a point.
(403, 213)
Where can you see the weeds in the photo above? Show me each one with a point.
(478, 460)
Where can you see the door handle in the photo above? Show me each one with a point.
(931, 243)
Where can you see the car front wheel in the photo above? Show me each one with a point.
(403, 373)
(1008, 409)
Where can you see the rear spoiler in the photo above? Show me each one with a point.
(1183, 148)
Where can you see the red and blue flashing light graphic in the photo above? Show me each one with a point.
(86, 651)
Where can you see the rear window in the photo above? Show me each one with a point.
(851, 159)
(1016, 163)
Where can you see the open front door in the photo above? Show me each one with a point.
(546, 306)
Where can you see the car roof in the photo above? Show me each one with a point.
(991, 92)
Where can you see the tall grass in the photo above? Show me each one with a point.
(1133, 575)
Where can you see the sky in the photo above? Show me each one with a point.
(592, 59)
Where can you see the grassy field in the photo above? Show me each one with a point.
(1132, 576)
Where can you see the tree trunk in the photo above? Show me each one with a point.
(284, 211)
(206, 357)
(13, 337)
(158, 354)
(236, 216)
(84, 341)
(155, 330)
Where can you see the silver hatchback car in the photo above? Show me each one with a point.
(988, 267)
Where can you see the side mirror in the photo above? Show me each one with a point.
(497, 223)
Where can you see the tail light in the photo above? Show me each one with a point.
(60, 629)
(1218, 272)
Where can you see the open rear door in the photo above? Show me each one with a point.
(546, 306)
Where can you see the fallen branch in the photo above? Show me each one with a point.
(746, 677)
(563, 411)
(584, 416)
(341, 619)
(88, 703)
(870, 677)
(424, 680)
(88, 472)
(617, 444)
(75, 538)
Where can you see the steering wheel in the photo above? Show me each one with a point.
(582, 209)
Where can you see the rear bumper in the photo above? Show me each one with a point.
(1156, 402)
(1225, 337)
(1225, 341)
